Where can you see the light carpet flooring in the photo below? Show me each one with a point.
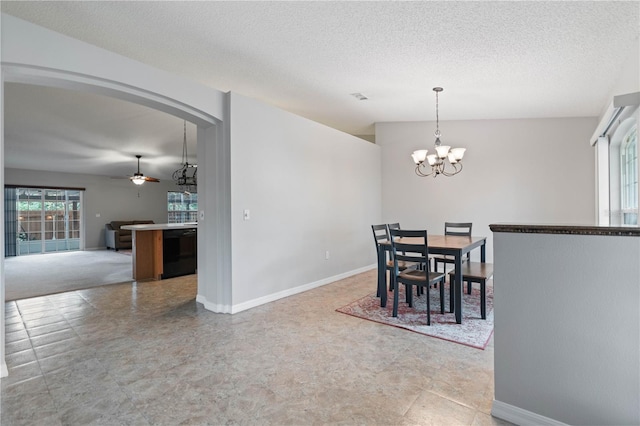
(40, 274)
(147, 353)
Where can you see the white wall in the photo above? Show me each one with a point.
(112, 199)
(529, 170)
(567, 328)
(309, 189)
(3, 365)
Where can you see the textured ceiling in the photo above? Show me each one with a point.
(494, 59)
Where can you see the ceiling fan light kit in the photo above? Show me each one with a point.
(138, 178)
(435, 163)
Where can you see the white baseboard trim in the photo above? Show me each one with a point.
(291, 291)
(234, 309)
(4, 371)
(213, 307)
(521, 417)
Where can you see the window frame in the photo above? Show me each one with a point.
(629, 176)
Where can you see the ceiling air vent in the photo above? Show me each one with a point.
(359, 96)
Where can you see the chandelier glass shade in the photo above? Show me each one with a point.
(186, 177)
(446, 161)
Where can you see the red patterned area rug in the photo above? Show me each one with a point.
(474, 331)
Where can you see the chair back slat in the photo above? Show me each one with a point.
(460, 229)
(394, 225)
(380, 234)
(409, 252)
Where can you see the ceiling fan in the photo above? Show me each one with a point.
(138, 178)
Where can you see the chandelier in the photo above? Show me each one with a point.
(436, 164)
(186, 177)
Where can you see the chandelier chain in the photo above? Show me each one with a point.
(184, 144)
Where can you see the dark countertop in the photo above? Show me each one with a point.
(620, 231)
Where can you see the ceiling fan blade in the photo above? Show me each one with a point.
(146, 178)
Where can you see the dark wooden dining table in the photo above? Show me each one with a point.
(455, 246)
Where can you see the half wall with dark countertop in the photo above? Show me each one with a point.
(567, 324)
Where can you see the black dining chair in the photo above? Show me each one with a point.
(381, 235)
(476, 272)
(461, 229)
(419, 290)
(416, 253)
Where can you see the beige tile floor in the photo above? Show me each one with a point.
(147, 353)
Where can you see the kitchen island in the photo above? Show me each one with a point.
(163, 250)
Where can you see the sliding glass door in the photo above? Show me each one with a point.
(48, 220)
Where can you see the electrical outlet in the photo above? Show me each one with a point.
(326, 255)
